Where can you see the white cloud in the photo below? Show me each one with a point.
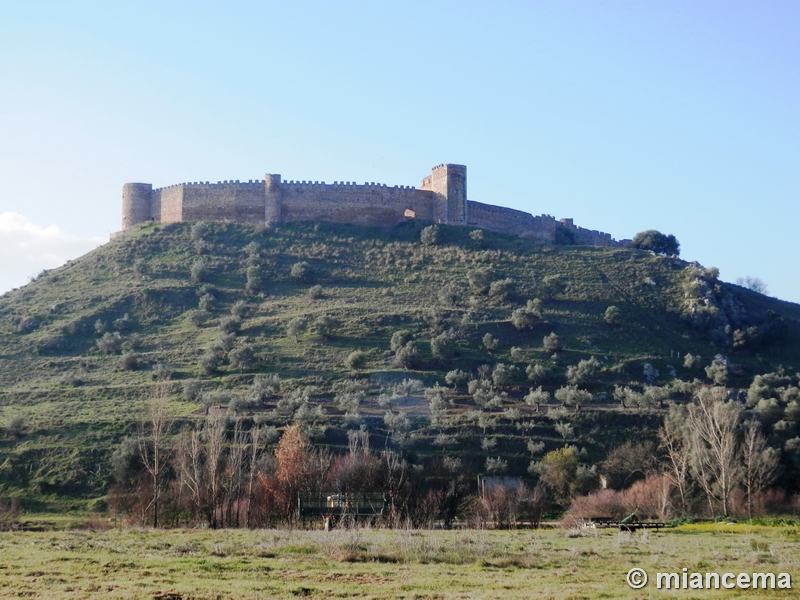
(26, 248)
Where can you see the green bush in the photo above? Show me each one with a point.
(230, 324)
(129, 361)
(443, 346)
(502, 290)
(550, 343)
(408, 356)
(430, 235)
(302, 272)
(613, 316)
(399, 339)
(356, 360)
(198, 271)
(657, 242)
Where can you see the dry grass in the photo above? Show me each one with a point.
(378, 563)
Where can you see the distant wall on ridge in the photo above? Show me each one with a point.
(441, 198)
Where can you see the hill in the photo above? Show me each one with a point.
(298, 324)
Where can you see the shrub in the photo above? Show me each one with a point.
(399, 339)
(585, 369)
(302, 272)
(191, 389)
(315, 292)
(124, 323)
(449, 294)
(296, 327)
(650, 372)
(129, 361)
(243, 357)
(476, 235)
(571, 395)
(16, 426)
(198, 271)
(754, 284)
(110, 343)
(537, 397)
(550, 343)
(230, 324)
(408, 356)
(224, 343)
(496, 465)
(206, 303)
(502, 290)
(198, 318)
(537, 373)
(692, 362)
(490, 342)
(240, 308)
(209, 362)
(657, 242)
(504, 375)
(430, 235)
(478, 280)
(254, 280)
(253, 251)
(325, 325)
(564, 429)
(553, 285)
(443, 346)
(527, 317)
(356, 360)
(613, 316)
(517, 354)
(456, 378)
(717, 371)
(240, 404)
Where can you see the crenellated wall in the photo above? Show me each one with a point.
(345, 202)
(442, 198)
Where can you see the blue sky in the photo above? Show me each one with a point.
(678, 116)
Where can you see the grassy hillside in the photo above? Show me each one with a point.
(82, 347)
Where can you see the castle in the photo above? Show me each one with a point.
(442, 198)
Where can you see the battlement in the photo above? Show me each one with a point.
(441, 198)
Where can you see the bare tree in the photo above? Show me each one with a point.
(216, 424)
(713, 424)
(234, 474)
(676, 445)
(152, 447)
(256, 438)
(760, 461)
(189, 468)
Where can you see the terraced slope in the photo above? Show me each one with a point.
(83, 347)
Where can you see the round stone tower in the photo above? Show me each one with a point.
(272, 200)
(135, 204)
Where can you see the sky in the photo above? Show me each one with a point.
(681, 116)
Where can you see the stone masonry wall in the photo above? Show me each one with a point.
(440, 199)
(169, 204)
(368, 204)
(498, 219)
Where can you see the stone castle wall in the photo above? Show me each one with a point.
(368, 204)
(440, 199)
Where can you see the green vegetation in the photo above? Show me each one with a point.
(202, 314)
(657, 242)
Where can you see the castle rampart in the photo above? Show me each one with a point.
(441, 198)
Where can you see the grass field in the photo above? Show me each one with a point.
(205, 564)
